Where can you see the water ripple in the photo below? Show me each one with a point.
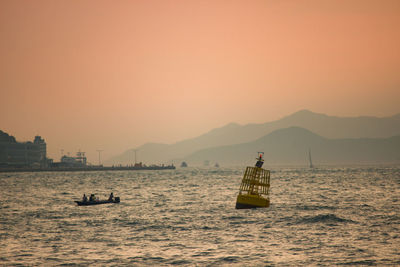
(325, 216)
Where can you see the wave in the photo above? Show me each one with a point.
(315, 207)
(324, 218)
(361, 262)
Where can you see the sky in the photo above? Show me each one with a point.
(113, 75)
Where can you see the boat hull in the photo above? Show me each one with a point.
(251, 202)
(90, 203)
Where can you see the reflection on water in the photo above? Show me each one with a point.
(325, 216)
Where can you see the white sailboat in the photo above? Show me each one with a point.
(309, 159)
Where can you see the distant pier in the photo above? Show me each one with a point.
(88, 168)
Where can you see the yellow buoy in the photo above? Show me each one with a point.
(254, 189)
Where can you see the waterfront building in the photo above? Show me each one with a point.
(22, 154)
(78, 161)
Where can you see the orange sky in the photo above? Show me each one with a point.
(113, 75)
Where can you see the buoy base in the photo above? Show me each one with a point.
(251, 202)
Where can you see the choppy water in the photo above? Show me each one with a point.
(325, 216)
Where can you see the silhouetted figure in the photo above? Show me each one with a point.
(111, 198)
(92, 197)
(84, 199)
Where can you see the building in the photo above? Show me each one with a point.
(67, 161)
(22, 154)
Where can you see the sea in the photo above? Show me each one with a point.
(325, 216)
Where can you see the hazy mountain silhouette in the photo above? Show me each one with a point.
(291, 145)
(323, 125)
(343, 127)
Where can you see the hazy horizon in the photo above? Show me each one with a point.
(106, 75)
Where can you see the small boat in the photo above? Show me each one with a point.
(254, 189)
(97, 202)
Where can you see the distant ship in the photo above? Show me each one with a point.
(254, 189)
(183, 164)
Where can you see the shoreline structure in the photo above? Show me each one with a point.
(88, 168)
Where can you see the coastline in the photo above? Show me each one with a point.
(86, 168)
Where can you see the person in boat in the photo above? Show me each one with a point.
(84, 198)
(92, 198)
(111, 198)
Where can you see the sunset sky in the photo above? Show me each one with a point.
(114, 75)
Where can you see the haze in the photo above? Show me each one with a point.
(114, 75)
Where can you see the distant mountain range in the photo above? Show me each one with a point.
(291, 146)
(238, 139)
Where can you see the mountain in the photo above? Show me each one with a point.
(343, 127)
(165, 153)
(291, 145)
(323, 125)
